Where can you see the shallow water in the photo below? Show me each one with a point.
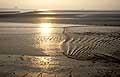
(37, 50)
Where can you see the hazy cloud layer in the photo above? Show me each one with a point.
(62, 4)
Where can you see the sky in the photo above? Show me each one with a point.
(62, 4)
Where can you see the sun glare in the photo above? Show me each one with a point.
(46, 28)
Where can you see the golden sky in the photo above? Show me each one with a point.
(62, 4)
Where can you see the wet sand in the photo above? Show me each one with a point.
(40, 55)
(26, 52)
(54, 66)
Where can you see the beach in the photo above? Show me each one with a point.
(60, 45)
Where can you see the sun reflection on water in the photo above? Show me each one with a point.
(48, 39)
(46, 28)
(44, 36)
